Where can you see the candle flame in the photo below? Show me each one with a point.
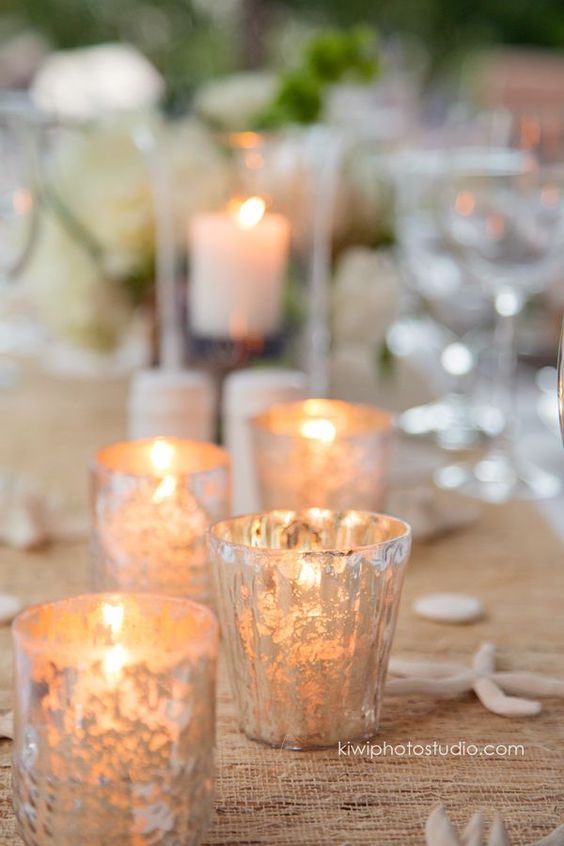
(112, 616)
(161, 455)
(319, 430)
(114, 661)
(165, 490)
(250, 212)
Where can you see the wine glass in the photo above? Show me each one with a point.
(502, 208)
(449, 293)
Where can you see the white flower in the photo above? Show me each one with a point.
(233, 102)
(102, 179)
(365, 296)
(93, 81)
(99, 225)
(73, 293)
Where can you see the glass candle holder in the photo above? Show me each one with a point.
(114, 721)
(308, 603)
(322, 453)
(153, 501)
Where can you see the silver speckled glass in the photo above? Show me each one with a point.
(114, 721)
(322, 453)
(153, 501)
(308, 603)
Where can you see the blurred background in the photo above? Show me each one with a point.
(412, 281)
(190, 41)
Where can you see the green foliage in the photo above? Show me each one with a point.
(329, 57)
(448, 27)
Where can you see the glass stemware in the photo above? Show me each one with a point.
(503, 210)
(450, 295)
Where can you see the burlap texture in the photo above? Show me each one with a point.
(510, 559)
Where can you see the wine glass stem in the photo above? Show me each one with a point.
(508, 305)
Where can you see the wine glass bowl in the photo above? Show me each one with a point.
(449, 293)
(503, 213)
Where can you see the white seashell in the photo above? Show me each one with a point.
(10, 606)
(498, 834)
(439, 830)
(449, 608)
(474, 831)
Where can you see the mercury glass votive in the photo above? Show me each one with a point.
(322, 453)
(114, 721)
(153, 501)
(308, 603)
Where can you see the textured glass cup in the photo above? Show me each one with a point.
(153, 501)
(322, 453)
(114, 721)
(308, 603)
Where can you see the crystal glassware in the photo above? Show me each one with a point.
(449, 293)
(153, 501)
(322, 453)
(308, 603)
(114, 721)
(250, 244)
(502, 209)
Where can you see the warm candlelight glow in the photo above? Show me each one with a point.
(165, 490)
(322, 453)
(162, 454)
(238, 261)
(112, 616)
(250, 212)
(154, 500)
(115, 727)
(308, 603)
(114, 662)
(319, 430)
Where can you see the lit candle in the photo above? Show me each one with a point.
(324, 453)
(238, 264)
(114, 723)
(153, 502)
(308, 603)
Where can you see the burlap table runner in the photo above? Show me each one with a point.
(510, 559)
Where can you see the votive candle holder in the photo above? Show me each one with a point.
(114, 721)
(153, 500)
(308, 603)
(322, 453)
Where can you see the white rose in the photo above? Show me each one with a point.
(102, 179)
(365, 296)
(72, 292)
(233, 102)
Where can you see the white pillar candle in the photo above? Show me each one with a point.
(246, 393)
(173, 403)
(238, 264)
